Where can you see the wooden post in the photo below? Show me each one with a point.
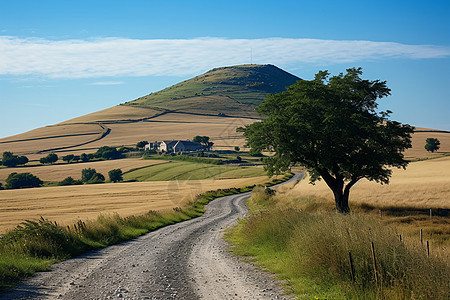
(400, 238)
(428, 249)
(431, 212)
(352, 269)
(421, 236)
(381, 213)
(374, 264)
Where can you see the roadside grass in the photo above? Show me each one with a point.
(310, 249)
(34, 245)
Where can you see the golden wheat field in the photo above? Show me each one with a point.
(67, 204)
(424, 184)
(221, 130)
(60, 171)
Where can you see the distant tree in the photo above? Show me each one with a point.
(49, 159)
(141, 144)
(238, 158)
(76, 158)
(11, 160)
(115, 175)
(70, 181)
(86, 174)
(432, 144)
(22, 180)
(84, 157)
(204, 141)
(236, 148)
(333, 128)
(68, 158)
(96, 178)
(107, 152)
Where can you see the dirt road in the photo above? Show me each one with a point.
(188, 260)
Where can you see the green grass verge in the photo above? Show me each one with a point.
(311, 252)
(35, 245)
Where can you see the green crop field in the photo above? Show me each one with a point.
(182, 170)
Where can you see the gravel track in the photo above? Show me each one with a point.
(187, 260)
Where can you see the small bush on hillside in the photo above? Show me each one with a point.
(1, 187)
(70, 181)
(107, 152)
(49, 159)
(11, 160)
(22, 180)
(115, 175)
(96, 178)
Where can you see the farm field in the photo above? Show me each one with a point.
(423, 185)
(181, 170)
(221, 130)
(67, 204)
(60, 171)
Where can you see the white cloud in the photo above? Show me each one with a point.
(133, 57)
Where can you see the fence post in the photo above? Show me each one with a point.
(401, 238)
(381, 213)
(374, 264)
(352, 269)
(421, 236)
(428, 249)
(431, 212)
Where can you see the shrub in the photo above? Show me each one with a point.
(70, 181)
(87, 174)
(108, 152)
(115, 175)
(68, 158)
(11, 160)
(96, 178)
(22, 180)
(49, 159)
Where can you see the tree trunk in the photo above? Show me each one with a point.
(341, 200)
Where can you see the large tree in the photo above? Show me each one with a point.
(331, 126)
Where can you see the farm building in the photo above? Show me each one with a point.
(178, 146)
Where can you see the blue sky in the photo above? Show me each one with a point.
(62, 59)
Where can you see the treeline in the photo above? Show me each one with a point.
(88, 176)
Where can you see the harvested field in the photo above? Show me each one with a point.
(423, 185)
(61, 171)
(67, 204)
(90, 137)
(418, 139)
(116, 113)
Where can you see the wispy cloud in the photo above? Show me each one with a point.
(107, 83)
(137, 57)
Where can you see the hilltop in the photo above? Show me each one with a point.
(234, 91)
(213, 104)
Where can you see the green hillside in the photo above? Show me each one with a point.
(234, 91)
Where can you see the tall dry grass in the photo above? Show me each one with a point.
(311, 250)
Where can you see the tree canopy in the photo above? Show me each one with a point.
(49, 159)
(331, 126)
(11, 160)
(432, 144)
(115, 175)
(22, 180)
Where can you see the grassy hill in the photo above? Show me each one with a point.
(234, 91)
